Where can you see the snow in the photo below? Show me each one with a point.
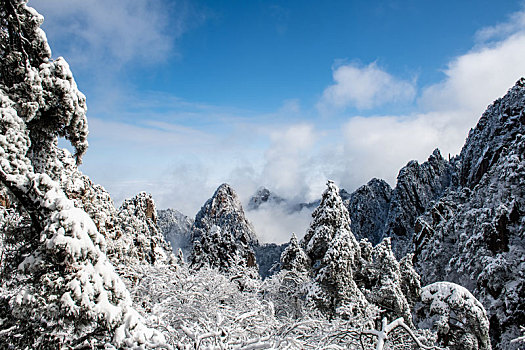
(451, 301)
(107, 278)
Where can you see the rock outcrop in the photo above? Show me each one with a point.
(475, 234)
(222, 236)
(368, 208)
(176, 229)
(418, 185)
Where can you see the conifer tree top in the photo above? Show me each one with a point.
(329, 217)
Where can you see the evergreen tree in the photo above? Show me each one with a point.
(216, 249)
(329, 218)
(65, 281)
(334, 254)
(294, 258)
(385, 283)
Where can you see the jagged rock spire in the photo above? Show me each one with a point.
(224, 209)
(222, 236)
(474, 234)
(138, 218)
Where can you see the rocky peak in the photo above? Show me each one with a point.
(263, 195)
(142, 206)
(499, 125)
(474, 234)
(221, 220)
(224, 209)
(368, 208)
(377, 211)
(418, 185)
(176, 229)
(138, 221)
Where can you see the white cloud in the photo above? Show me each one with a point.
(515, 24)
(378, 146)
(475, 79)
(364, 87)
(99, 32)
(273, 224)
(285, 159)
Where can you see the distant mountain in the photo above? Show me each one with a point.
(264, 195)
(176, 229)
(221, 235)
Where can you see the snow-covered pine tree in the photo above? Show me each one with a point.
(385, 283)
(334, 254)
(65, 291)
(335, 276)
(294, 258)
(329, 218)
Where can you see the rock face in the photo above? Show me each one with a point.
(377, 211)
(463, 218)
(268, 256)
(368, 208)
(417, 186)
(176, 229)
(221, 228)
(475, 234)
(138, 215)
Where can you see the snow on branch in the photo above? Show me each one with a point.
(387, 328)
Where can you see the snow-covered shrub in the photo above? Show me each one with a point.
(459, 318)
(286, 289)
(205, 309)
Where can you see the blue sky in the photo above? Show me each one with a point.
(185, 95)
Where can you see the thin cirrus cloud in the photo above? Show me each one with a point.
(364, 87)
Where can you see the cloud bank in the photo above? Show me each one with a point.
(182, 163)
(111, 32)
(364, 87)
